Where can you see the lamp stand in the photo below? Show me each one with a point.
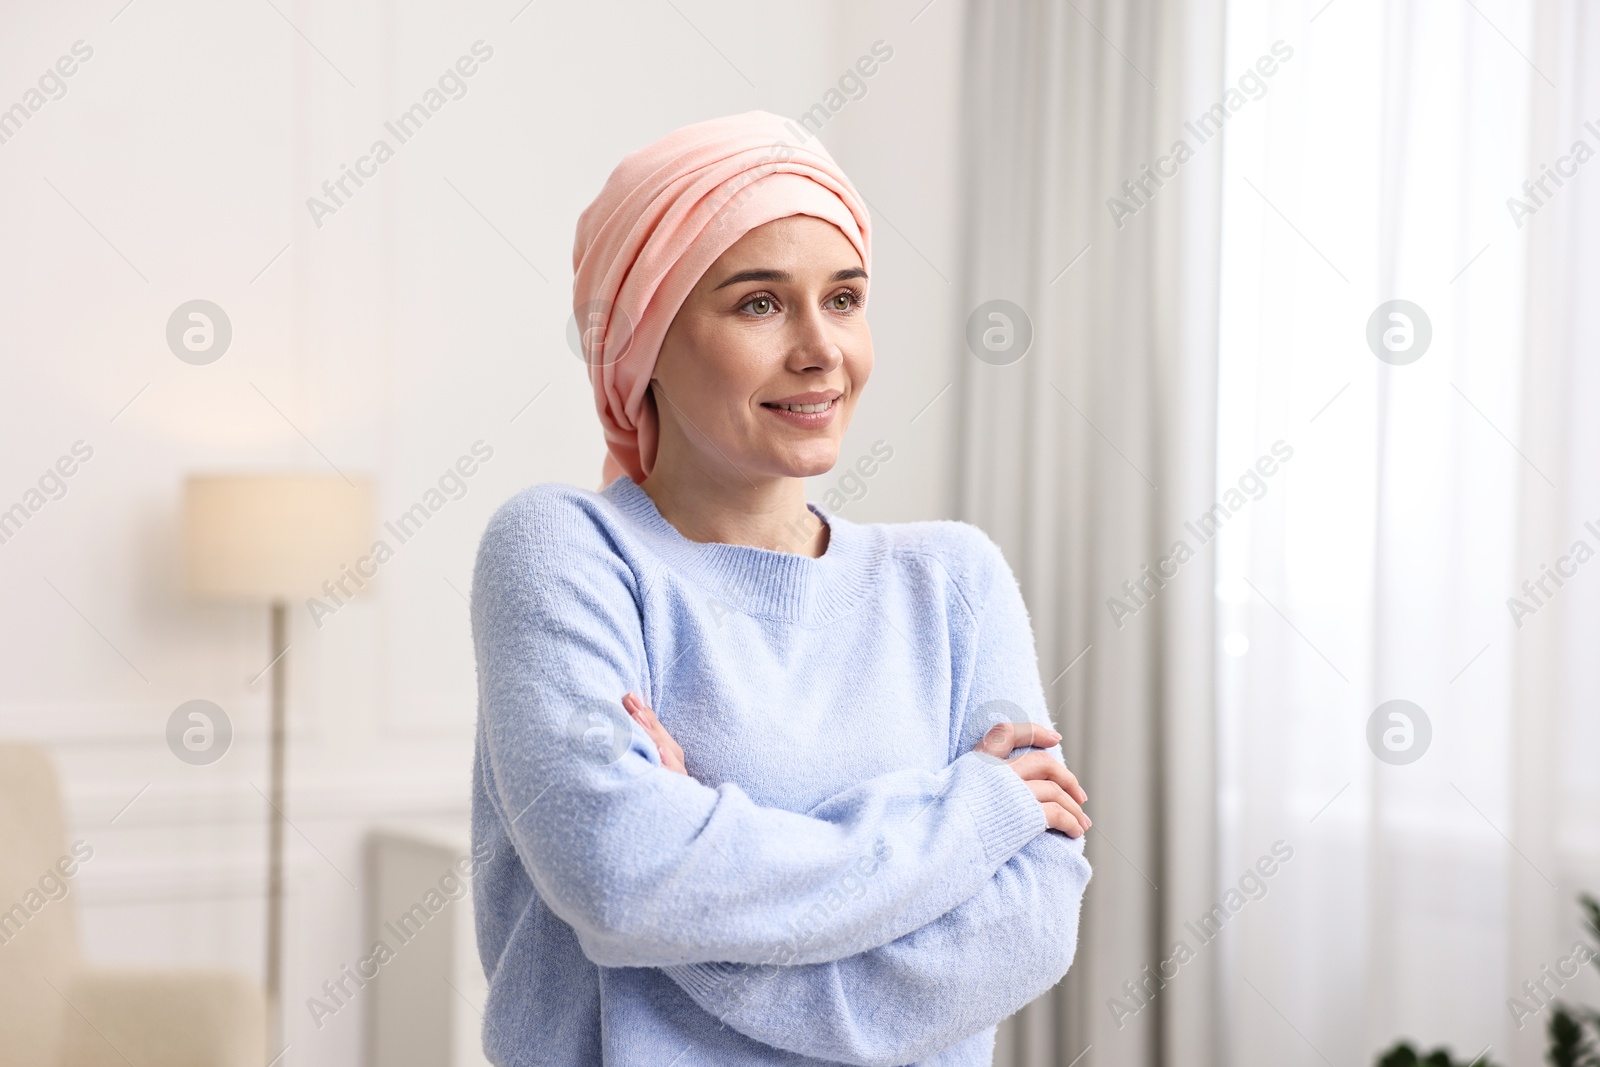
(280, 647)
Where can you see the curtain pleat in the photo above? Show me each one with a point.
(1083, 459)
(1555, 740)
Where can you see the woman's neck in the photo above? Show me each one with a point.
(768, 513)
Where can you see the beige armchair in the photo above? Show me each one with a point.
(60, 1011)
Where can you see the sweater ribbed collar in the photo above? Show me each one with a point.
(758, 581)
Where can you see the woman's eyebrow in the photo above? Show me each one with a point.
(763, 275)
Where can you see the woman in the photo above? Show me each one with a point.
(814, 848)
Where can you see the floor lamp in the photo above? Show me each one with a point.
(277, 539)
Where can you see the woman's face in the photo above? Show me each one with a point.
(763, 365)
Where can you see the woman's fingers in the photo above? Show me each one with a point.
(645, 716)
(1053, 785)
(671, 752)
(1061, 812)
(1058, 818)
(1042, 766)
(1004, 737)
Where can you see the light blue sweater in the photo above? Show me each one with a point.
(840, 879)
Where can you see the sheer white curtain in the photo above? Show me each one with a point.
(1424, 487)
(1385, 478)
(1555, 759)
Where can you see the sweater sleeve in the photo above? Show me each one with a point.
(907, 1000)
(961, 973)
(652, 868)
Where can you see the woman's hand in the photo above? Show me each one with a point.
(671, 751)
(1055, 787)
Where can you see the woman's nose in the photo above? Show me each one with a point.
(814, 348)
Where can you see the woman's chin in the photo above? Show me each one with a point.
(806, 463)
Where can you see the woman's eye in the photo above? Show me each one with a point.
(848, 300)
(759, 305)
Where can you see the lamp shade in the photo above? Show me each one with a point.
(272, 536)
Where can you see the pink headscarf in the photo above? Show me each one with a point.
(665, 215)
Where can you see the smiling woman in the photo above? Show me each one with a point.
(738, 785)
(756, 382)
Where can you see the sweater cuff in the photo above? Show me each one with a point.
(1003, 808)
(710, 983)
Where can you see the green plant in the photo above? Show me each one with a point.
(1574, 1032)
(1403, 1055)
(1570, 1044)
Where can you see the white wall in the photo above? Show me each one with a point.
(418, 319)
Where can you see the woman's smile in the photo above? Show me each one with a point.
(806, 411)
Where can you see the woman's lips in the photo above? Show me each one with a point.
(821, 413)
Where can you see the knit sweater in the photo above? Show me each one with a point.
(838, 879)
